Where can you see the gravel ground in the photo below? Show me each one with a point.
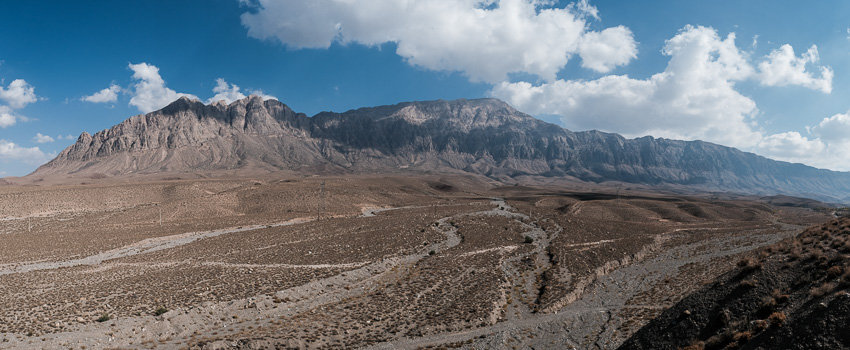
(391, 264)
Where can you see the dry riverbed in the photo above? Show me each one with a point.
(403, 262)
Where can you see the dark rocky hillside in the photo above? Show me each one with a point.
(793, 295)
(483, 136)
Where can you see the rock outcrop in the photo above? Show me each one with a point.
(481, 136)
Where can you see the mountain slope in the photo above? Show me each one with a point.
(483, 136)
(793, 296)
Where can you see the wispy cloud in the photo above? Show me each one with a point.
(41, 138)
(30, 155)
(107, 95)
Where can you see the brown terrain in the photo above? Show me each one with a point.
(436, 224)
(361, 261)
(789, 295)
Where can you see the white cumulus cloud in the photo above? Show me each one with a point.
(834, 129)
(107, 95)
(603, 51)
(149, 92)
(40, 138)
(18, 94)
(226, 92)
(7, 119)
(791, 146)
(693, 98)
(486, 40)
(826, 146)
(582, 7)
(31, 155)
(263, 95)
(782, 67)
(229, 92)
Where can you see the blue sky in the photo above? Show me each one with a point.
(582, 65)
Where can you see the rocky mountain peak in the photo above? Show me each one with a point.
(84, 137)
(462, 115)
(181, 104)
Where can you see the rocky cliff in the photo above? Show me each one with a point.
(482, 136)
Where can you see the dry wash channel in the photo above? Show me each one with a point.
(400, 262)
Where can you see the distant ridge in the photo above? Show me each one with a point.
(480, 136)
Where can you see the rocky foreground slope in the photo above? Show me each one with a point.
(483, 136)
(794, 295)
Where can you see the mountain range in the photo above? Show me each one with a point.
(480, 136)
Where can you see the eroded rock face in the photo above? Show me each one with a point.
(482, 136)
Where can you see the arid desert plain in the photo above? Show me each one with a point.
(419, 261)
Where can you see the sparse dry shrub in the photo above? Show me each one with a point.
(742, 337)
(845, 278)
(779, 297)
(823, 289)
(748, 283)
(777, 319)
(780, 247)
(794, 254)
(747, 262)
(817, 255)
(834, 271)
(760, 325)
(719, 340)
(768, 304)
